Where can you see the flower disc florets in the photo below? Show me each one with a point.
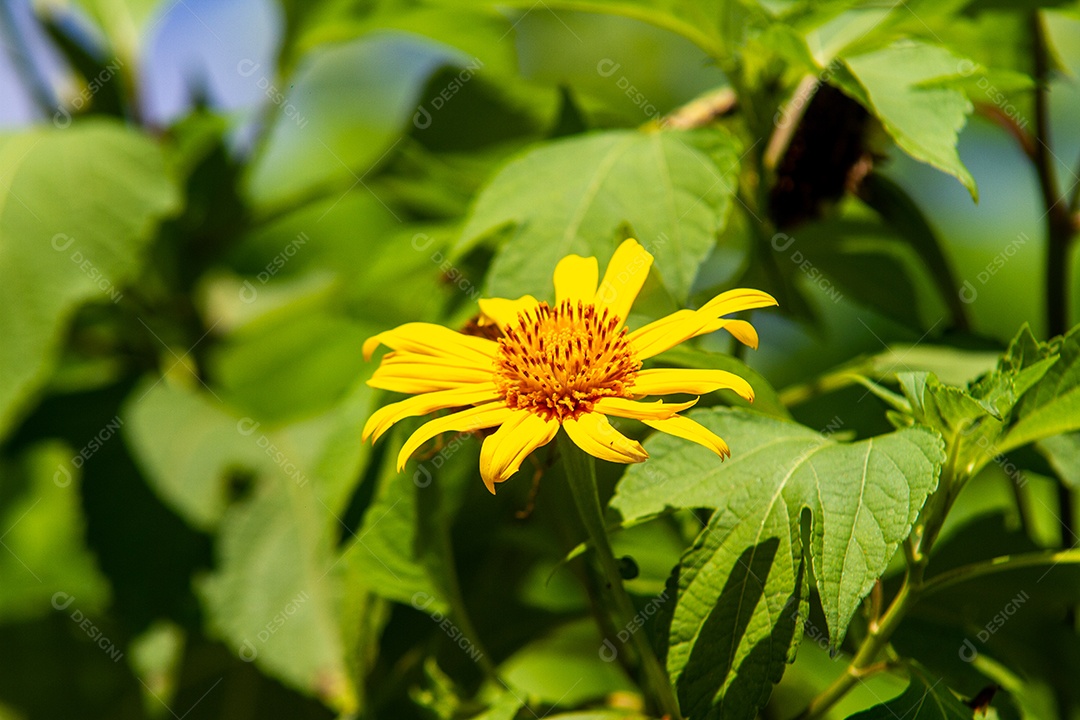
(557, 362)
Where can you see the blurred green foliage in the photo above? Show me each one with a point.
(191, 526)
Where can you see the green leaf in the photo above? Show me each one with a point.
(311, 360)
(342, 112)
(924, 122)
(124, 22)
(505, 707)
(402, 546)
(976, 417)
(711, 25)
(155, 657)
(274, 595)
(44, 563)
(565, 667)
(78, 208)
(188, 448)
(740, 602)
(924, 699)
(1063, 454)
(578, 195)
(874, 277)
(1052, 405)
(385, 551)
(192, 449)
(863, 496)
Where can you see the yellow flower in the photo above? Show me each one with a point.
(569, 366)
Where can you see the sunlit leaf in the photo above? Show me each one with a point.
(575, 195)
(78, 208)
(863, 496)
(924, 122)
(1052, 405)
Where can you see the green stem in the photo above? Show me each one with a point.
(1003, 563)
(457, 601)
(1060, 230)
(863, 662)
(581, 476)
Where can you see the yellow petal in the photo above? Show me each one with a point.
(381, 420)
(477, 418)
(595, 435)
(737, 300)
(504, 451)
(690, 430)
(575, 279)
(505, 312)
(667, 332)
(623, 278)
(414, 386)
(742, 331)
(621, 407)
(393, 360)
(666, 381)
(431, 339)
(429, 371)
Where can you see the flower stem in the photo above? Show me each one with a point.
(581, 475)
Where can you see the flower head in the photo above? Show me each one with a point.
(571, 365)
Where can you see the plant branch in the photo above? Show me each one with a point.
(1003, 563)
(1059, 226)
(1060, 229)
(864, 661)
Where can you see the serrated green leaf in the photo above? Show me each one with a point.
(863, 496)
(385, 551)
(924, 699)
(1052, 405)
(576, 195)
(739, 603)
(924, 122)
(77, 210)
